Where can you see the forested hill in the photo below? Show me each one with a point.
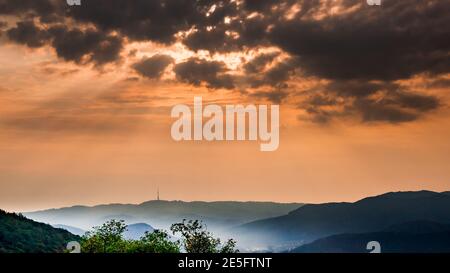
(21, 235)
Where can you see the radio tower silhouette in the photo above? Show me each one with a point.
(157, 194)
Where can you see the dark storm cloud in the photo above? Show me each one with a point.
(260, 62)
(280, 73)
(276, 96)
(70, 44)
(373, 111)
(398, 106)
(417, 102)
(215, 40)
(154, 66)
(366, 109)
(321, 100)
(320, 116)
(257, 5)
(360, 53)
(276, 76)
(29, 34)
(253, 31)
(358, 88)
(156, 20)
(197, 71)
(42, 8)
(139, 20)
(372, 102)
(396, 41)
(76, 44)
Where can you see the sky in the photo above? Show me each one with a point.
(86, 93)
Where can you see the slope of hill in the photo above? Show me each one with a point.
(136, 231)
(419, 227)
(133, 232)
(311, 222)
(21, 235)
(73, 230)
(218, 216)
(411, 237)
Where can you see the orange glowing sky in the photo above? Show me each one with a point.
(81, 132)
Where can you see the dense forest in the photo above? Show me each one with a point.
(21, 235)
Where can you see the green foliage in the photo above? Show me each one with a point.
(108, 238)
(153, 242)
(196, 239)
(21, 235)
(105, 239)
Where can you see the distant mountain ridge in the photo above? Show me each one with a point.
(136, 231)
(314, 221)
(161, 214)
(133, 231)
(263, 226)
(21, 235)
(73, 230)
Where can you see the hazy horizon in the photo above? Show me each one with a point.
(208, 201)
(86, 94)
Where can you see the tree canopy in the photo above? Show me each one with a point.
(108, 238)
(21, 235)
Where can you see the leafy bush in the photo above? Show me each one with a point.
(108, 238)
(196, 239)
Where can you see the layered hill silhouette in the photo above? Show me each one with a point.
(21, 235)
(136, 231)
(218, 216)
(410, 237)
(401, 221)
(73, 230)
(313, 221)
(133, 231)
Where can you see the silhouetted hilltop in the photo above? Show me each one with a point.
(21, 235)
(410, 237)
(136, 231)
(73, 230)
(161, 214)
(314, 221)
